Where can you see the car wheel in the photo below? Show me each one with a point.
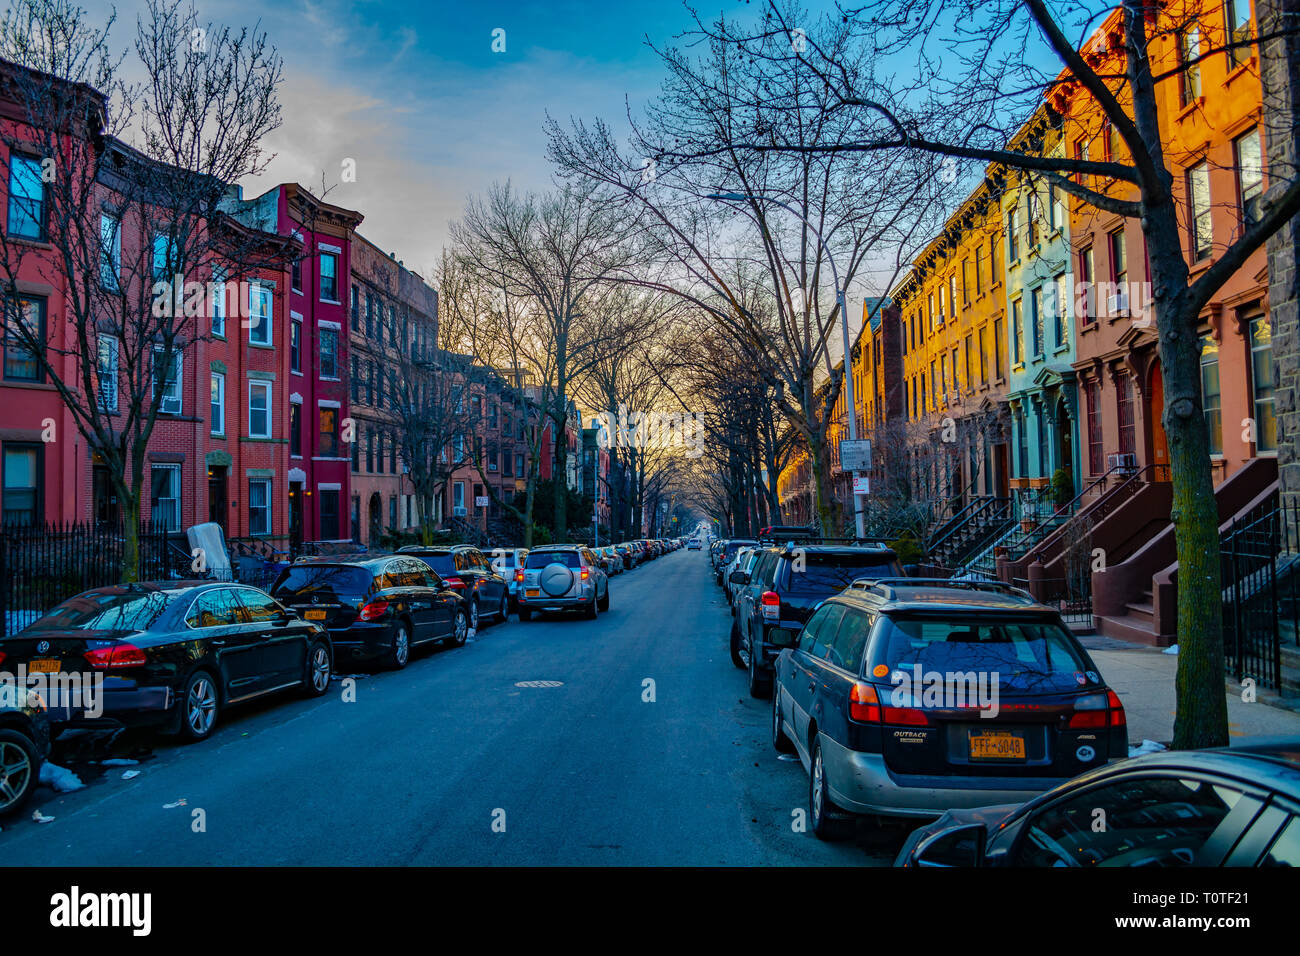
(400, 653)
(781, 743)
(473, 614)
(525, 614)
(459, 628)
(604, 602)
(828, 820)
(199, 706)
(503, 613)
(20, 770)
(760, 684)
(735, 647)
(317, 679)
(592, 612)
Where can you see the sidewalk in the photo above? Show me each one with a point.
(1144, 679)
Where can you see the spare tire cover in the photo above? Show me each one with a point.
(557, 579)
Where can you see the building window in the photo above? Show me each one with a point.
(295, 346)
(24, 326)
(27, 198)
(1013, 235)
(1124, 415)
(22, 486)
(1261, 382)
(1060, 314)
(1236, 15)
(295, 429)
(259, 409)
(168, 380)
(166, 258)
(329, 514)
(965, 281)
(370, 450)
(1250, 176)
(1022, 422)
(1017, 340)
(106, 372)
(392, 453)
(1198, 199)
(356, 455)
(1096, 445)
(329, 433)
(218, 292)
(983, 355)
(110, 252)
(458, 497)
(979, 270)
(259, 315)
(295, 274)
(329, 353)
(1211, 395)
(329, 277)
(379, 452)
(1087, 291)
(217, 417)
(1036, 304)
(259, 506)
(1189, 84)
(354, 381)
(165, 497)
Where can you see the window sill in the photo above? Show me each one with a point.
(292, 372)
(1190, 107)
(218, 436)
(259, 345)
(25, 383)
(330, 301)
(329, 378)
(264, 441)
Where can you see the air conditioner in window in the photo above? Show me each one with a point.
(1126, 462)
(459, 511)
(170, 405)
(1117, 302)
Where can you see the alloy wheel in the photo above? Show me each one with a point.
(15, 773)
(320, 668)
(201, 707)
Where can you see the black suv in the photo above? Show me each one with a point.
(910, 697)
(375, 607)
(726, 553)
(466, 569)
(775, 597)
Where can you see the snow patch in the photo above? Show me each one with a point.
(1146, 747)
(60, 778)
(1171, 649)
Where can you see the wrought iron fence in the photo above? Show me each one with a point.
(1259, 565)
(42, 565)
(1070, 595)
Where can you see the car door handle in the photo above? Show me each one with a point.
(217, 643)
(266, 637)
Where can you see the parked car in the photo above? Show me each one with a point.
(176, 653)
(743, 562)
(562, 577)
(611, 560)
(728, 553)
(628, 554)
(910, 697)
(693, 544)
(1237, 806)
(375, 608)
(776, 595)
(505, 562)
(466, 569)
(24, 747)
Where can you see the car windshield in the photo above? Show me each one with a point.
(337, 579)
(100, 611)
(834, 572)
(442, 562)
(540, 559)
(1018, 655)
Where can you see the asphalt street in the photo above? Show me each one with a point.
(452, 762)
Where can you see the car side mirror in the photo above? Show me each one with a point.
(739, 577)
(959, 847)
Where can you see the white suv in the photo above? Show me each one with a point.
(562, 577)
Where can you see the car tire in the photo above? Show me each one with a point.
(760, 684)
(399, 655)
(459, 628)
(592, 611)
(604, 602)
(316, 681)
(735, 647)
(829, 822)
(525, 614)
(199, 707)
(781, 743)
(20, 770)
(503, 614)
(473, 614)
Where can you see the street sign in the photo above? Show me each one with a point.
(861, 485)
(856, 455)
(481, 502)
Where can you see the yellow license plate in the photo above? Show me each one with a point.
(315, 615)
(997, 746)
(43, 666)
(531, 592)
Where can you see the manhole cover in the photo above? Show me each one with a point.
(539, 683)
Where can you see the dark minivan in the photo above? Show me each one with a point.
(375, 607)
(466, 569)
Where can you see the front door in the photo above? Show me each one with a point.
(217, 495)
(295, 515)
(105, 497)
(1155, 413)
(1001, 471)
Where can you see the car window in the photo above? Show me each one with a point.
(1024, 655)
(1285, 850)
(828, 621)
(462, 563)
(766, 574)
(96, 611)
(819, 572)
(540, 559)
(261, 608)
(414, 574)
(327, 580)
(850, 639)
(217, 608)
(1137, 821)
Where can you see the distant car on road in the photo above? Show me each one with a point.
(176, 653)
(465, 568)
(693, 544)
(24, 747)
(727, 553)
(375, 608)
(1237, 807)
(563, 577)
(910, 697)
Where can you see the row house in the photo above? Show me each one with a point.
(393, 333)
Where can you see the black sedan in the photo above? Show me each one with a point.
(173, 653)
(24, 745)
(1237, 806)
(375, 608)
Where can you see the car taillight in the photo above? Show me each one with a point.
(864, 705)
(771, 604)
(1090, 712)
(374, 610)
(907, 716)
(519, 576)
(454, 582)
(115, 655)
(2, 657)
(1116, 710)
(585, 574)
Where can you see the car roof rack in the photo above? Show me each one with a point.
(888, 586)
(811, 540)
